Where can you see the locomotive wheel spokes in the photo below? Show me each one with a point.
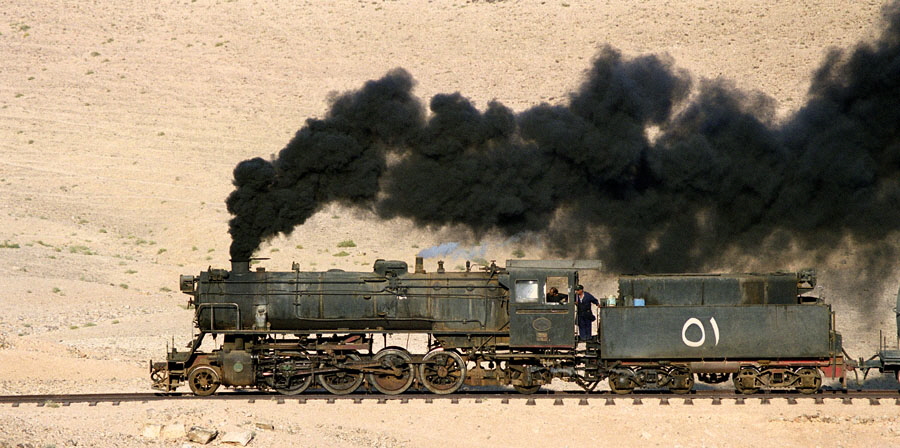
(204, 380)
(397, 359)
(343, 381)
(746, 381)
(442, 372)
(810, 380)
(298, 385)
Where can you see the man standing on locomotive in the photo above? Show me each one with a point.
(584, 313)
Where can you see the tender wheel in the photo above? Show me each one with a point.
(402, 375)
(204, 380)
(621, 383)
(810, 380)
(442, 372)
(682, 381)
(746, 381)
(298, 385)
(342, 382)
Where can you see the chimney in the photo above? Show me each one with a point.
(420, 266)
(441, 267)
(240, 266)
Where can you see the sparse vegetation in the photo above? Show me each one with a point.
(123, 285)
(274, 249)
(116, 321)
(56, 290)
(73, 327)
(131, 271)
(299, 246)
(346, 243)
(341, 254)
(164, 289)
(7, 245)
(160, 251)
(95, 54)
(194, 248)
(83, 250)
(519, 253)
(90, 324)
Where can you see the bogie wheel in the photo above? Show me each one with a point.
(297, 385)
(402, 376)
(442, 372)
(621, 383)
(204, 380)
(682, 381)
(810, 380)
(343, 381)
(746, 381)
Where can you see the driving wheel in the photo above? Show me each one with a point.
(343, 381)
(396, 374)
(442, 372)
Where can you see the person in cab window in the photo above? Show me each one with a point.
(553, 296)
(583, 302)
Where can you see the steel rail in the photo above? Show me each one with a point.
(559, 397)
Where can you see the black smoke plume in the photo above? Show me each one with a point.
(719, 177)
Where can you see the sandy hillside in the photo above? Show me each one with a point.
(121, 123)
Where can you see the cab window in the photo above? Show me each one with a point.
(559, 285)
(527, 291)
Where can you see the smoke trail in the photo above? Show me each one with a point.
(336, 159)
(720, 178)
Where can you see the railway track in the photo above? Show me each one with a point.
(715, 397)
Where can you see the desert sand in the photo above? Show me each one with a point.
(121, 123)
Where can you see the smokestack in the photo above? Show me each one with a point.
(420, 266)
(240, 266)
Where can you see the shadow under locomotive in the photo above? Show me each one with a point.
(495, 326)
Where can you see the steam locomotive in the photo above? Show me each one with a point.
(494, 326)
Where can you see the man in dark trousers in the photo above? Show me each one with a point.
(583, 301)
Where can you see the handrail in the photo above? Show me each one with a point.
(212, 313)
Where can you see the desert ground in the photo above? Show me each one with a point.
(121, 123)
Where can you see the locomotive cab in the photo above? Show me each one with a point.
(537, 320)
